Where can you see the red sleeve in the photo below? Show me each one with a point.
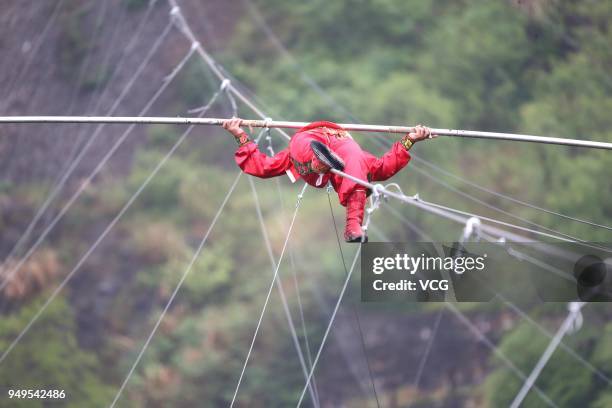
(390, 163)
(253, 162)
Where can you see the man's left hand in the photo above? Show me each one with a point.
(419, 133)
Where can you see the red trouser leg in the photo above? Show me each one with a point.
(354, 217)
(354, 164)
(351, 194)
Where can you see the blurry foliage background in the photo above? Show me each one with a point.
(532, 66)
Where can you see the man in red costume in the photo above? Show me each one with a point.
(317, 148)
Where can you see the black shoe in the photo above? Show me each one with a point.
(326, 155)
(357, 240)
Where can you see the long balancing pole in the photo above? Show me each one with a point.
(297, 125)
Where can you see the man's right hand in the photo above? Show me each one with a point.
(233, 126)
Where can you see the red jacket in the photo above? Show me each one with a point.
(292, 160)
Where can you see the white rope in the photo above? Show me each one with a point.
(190, 266)
(76, 144)
(491, 206)
(302, 319)
(130, 44)
(506, 197)
(373, 206)
(506, 224)
(521, 256)
(472, 225)
(73, 97)
(231, 98)
(106, 66)
(99, 167)
(176, 289)
(293, 268)
(34, 51)
(280, 289)
(409, 223)
(574, 313)
(84, 67)
(329, 325)
(564, 346)
(428, 346)
(23, 71)
(92, 248)
(214, 67)
(260, 21)
(117, 67)
(475, 330)
(359, 330)
(65, 209)
(265, 305)
(504, 234)
(74, 163)
(270, 147)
